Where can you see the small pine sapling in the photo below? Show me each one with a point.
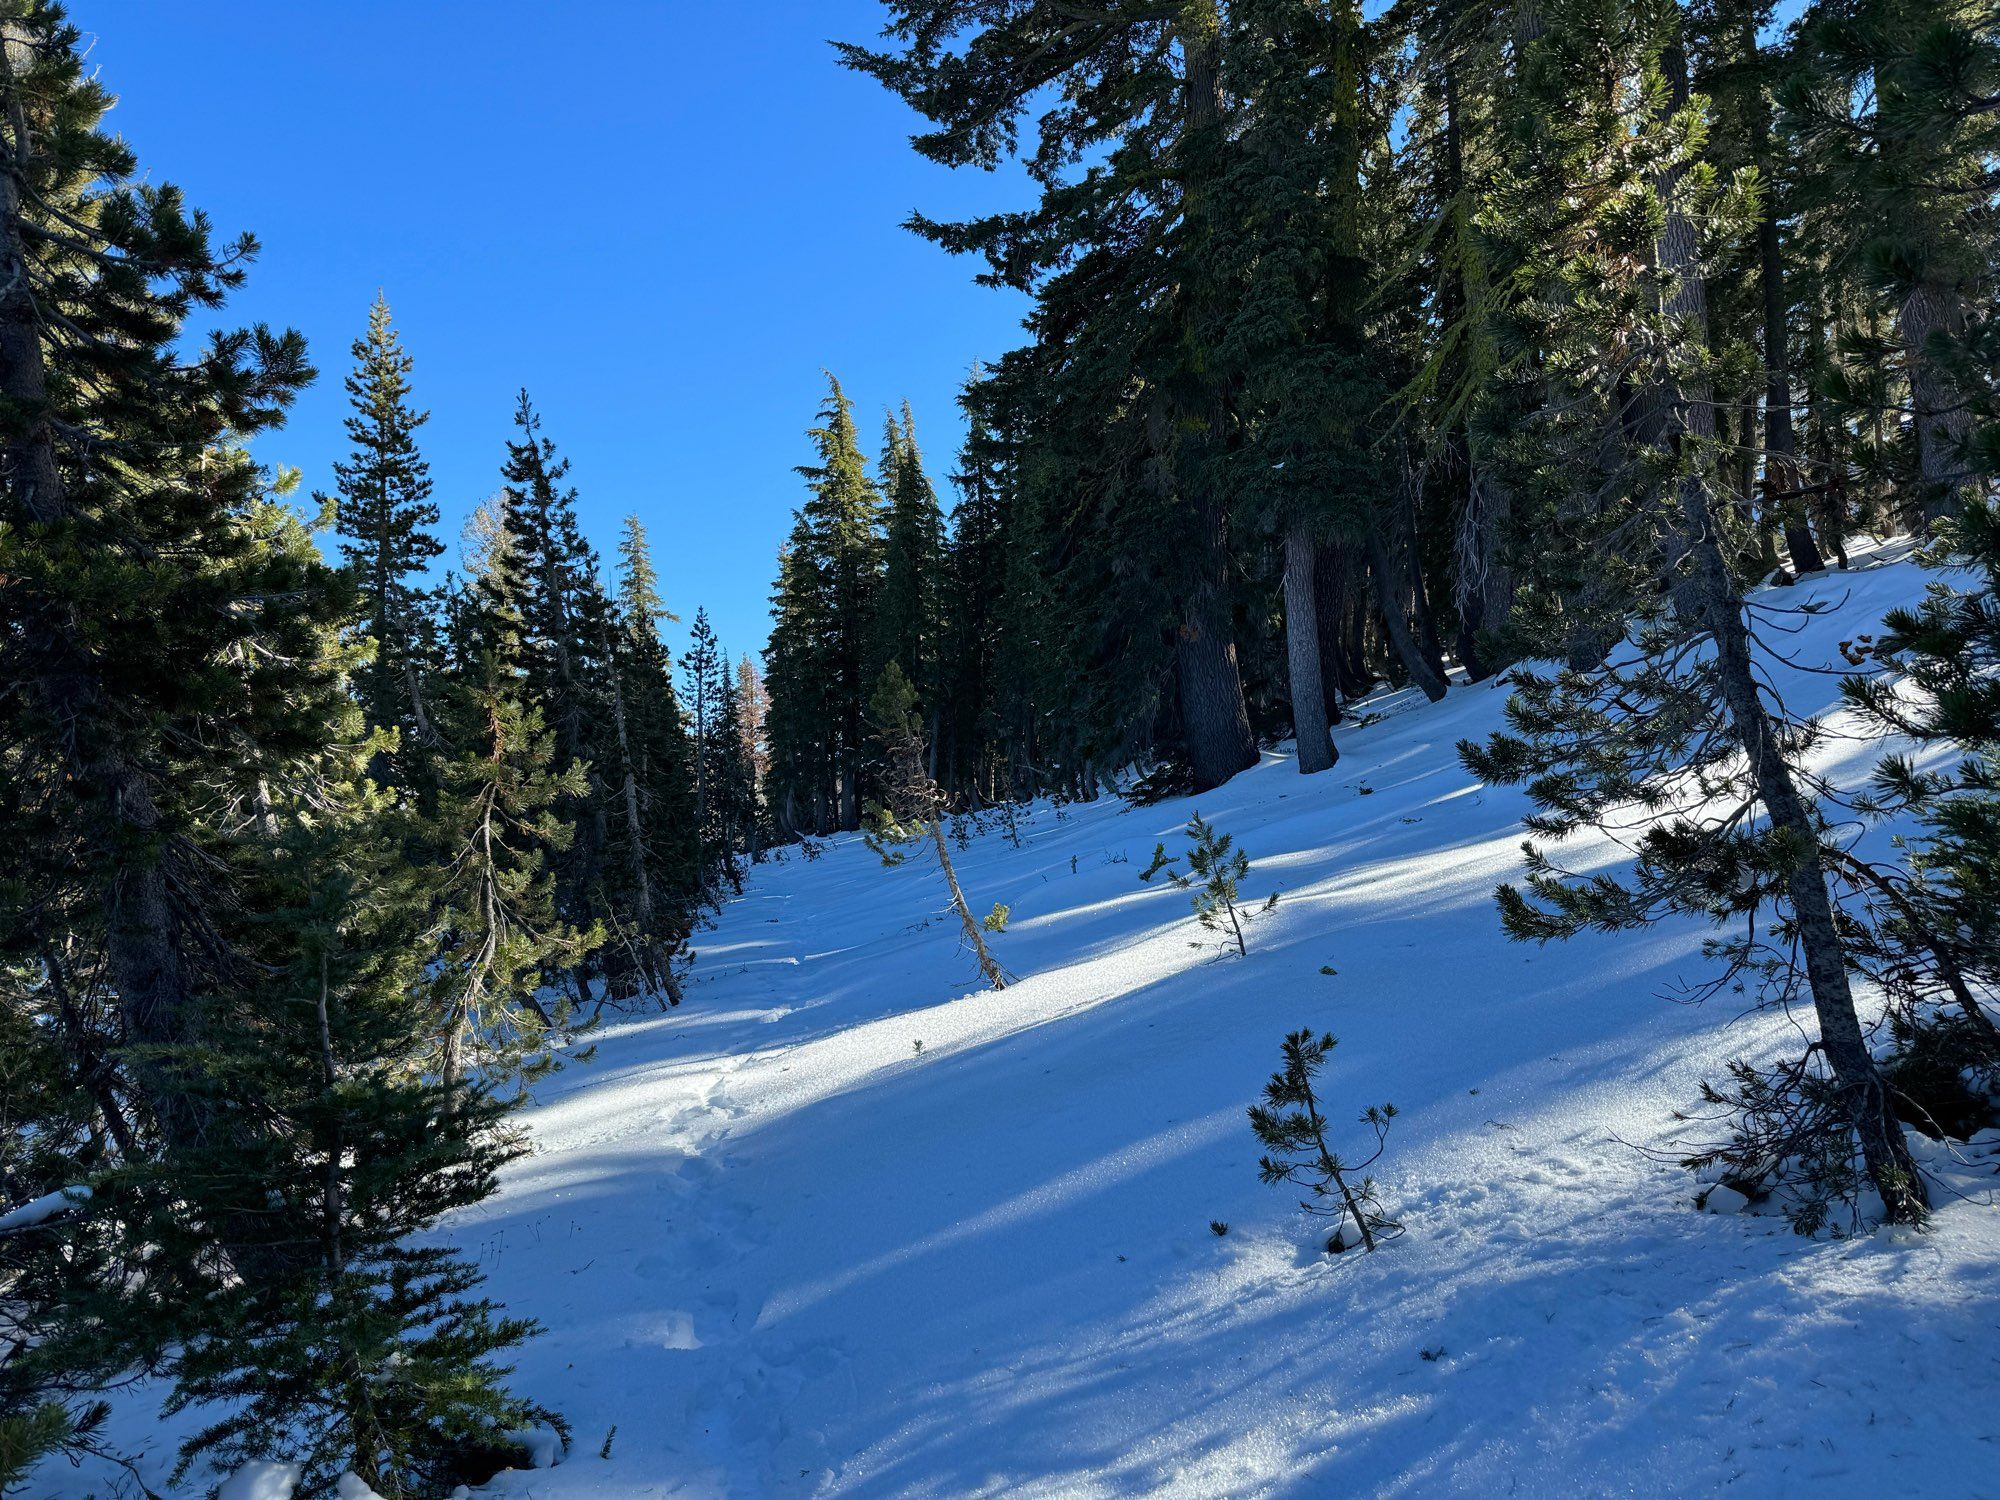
(1289, 1123)
(1216, 872)
(913, 809)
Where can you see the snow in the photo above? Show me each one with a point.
(543, 1445)
(40, 1210)
(782, 1251)
(261, 1479)
(352, 1487)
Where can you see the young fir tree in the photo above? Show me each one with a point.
(498, 935)
(1216, 872)
(914, 810)
(387, 518)
(1292, 1128)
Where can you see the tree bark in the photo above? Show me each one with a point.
(996, 976)
(1711, 597)
(1943, 421)
(1390, 592)
(1781, 465)
(1215, 720)
(1309, 722)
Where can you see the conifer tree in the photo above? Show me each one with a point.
(495, 923)
(387, 519)
(654, 845)
(329, 1339)
(910, 608)
(1894, 105)
(914, 810)
(824, 634)
(1127, 315)
(564, 617)
(701, 676)
(1684, 706)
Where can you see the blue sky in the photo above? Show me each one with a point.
(662, 218)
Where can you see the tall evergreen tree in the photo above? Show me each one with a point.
(387, 519)
(910, 608)
(498, 933)
(564, 617)
(1116, 257)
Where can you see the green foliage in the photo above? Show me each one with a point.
(1292, 1128)
(387, 519)
(1216, 872)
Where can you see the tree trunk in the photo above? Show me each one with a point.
(1390, 592)
(974, 934)
(1943, 420)
(1214, 717)
(1712, 594)
(1309, 722)
(1329, 566)
(1781, 465)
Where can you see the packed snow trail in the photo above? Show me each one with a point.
(780, 1249)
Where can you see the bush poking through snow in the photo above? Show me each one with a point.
(1216, 872)
(1292, 1127)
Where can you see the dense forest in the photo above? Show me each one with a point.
(1405, 347)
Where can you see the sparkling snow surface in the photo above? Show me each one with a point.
(783, 1251)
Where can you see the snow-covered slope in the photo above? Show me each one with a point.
(782, 1250)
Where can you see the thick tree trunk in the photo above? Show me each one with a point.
(1214, 718)
(1943, 420)
(1329, 599)
(1390, 592)
(1781, 465)
(1309, 721)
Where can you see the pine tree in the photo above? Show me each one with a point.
(910, 607)
(498, 934)
(331, 1339)
(1126, 319)
(1292, 1128)
(387, 519)
(824, 637)
(1684, 706)
(564, 619)
(1893, 103)
(914, 810)
(702, 668)
(653, 853)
